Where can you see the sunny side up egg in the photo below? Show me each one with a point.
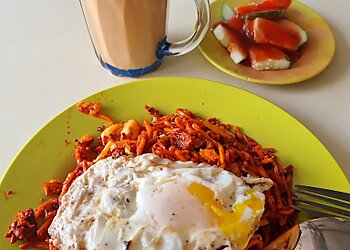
(148, 202)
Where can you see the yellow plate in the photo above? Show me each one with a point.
(318, 53)
(48, 155)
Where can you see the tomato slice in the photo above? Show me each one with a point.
(267, 31)
(248, 28)
(267, 57)
(264, 52)
(233, 41)
(267, 5)
(236, 23)
(237, 42)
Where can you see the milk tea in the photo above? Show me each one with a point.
(126, 33)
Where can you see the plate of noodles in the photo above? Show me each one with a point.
(223, 130)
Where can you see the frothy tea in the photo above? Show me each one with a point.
(126, 33)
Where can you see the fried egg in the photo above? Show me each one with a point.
(148, 202)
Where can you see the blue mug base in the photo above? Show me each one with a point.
(132, 72)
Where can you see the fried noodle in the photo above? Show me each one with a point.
(181, 136)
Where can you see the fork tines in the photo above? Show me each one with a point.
(322, 202)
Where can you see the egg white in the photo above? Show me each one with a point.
(145, 203)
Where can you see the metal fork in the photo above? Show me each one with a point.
(320, 202)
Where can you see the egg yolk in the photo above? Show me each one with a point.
(229, 222)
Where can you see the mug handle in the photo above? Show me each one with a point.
(201, 27)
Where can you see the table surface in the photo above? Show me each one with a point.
(47, 63)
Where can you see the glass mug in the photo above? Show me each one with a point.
(129, 36)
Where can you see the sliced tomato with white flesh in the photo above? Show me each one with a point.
(236, 23)
(227, 12)
(267, 57)
(248, 28)
(233, 41)
(263, 7)
(295, 29)
(267, 31)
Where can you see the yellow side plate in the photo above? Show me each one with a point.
(48, 155)
(317, 55)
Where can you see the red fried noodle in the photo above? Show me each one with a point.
(180, 136)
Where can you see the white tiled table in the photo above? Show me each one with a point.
(47, 63)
